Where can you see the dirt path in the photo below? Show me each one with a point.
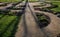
(28, 26)
(10, 5)
(53, 29)
(4, 7)
(32, 27)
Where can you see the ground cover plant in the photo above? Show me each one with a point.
(8, 25)
(55, 2)
(33, 0)
(10, 0)
(57, 9)
(43, 20)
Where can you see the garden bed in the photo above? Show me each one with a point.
(43, 20)
(8, 25)
(49, 9)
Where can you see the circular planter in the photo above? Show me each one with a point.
(43, 20)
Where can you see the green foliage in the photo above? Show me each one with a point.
(10, 0)
(52, 0)
(7, 25)
(33, 0)
(41, 17)
(57, 9)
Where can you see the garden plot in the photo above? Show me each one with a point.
(9, 18)
(12, 7)
(33, 0)
(10, 0)
(48, 8)
(41, 5)
(57, 9)
(48, 23)
(8, 25)
(20, 4)
(43, 20)
(7, 6)
(11, 14)
(3, 4)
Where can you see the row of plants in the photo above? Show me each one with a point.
(8, 22)
(13, 5)
(12, 13)
(10, 0)
(55, 8)
(8, 12)
(49, 9)
(33, 0)
(3, 4)
(8, 25)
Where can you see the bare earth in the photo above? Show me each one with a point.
(53, 29)
(29, 28)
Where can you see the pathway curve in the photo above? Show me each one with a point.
(28, 26)
(53, 29)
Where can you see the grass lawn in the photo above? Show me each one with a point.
(16, 0)
(33, 0)
(58, 8)
(52, 0)
(56, 2)
(10, 0)
(8, 25)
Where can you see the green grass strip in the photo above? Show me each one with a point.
(6, 22)
(10, 0)
(10, 29)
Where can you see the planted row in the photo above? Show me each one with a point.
(8, 25)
